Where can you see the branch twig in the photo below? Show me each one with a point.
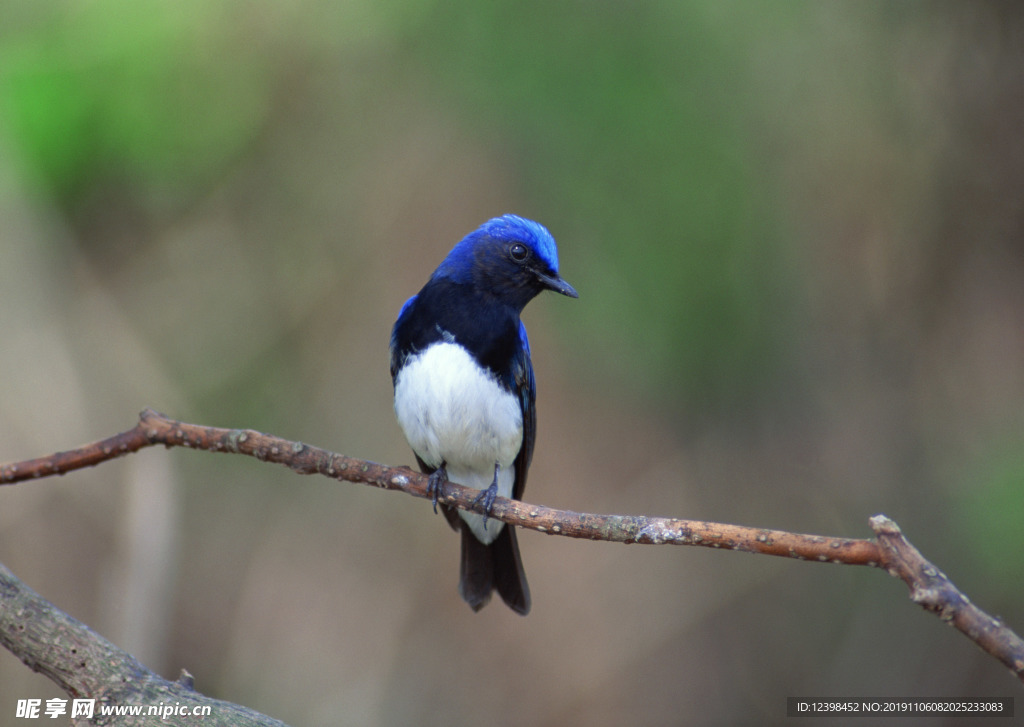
(929, 587)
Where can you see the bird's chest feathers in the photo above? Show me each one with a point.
(453, 410)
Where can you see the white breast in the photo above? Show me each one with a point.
(452, 410)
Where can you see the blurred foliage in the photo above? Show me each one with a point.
(156, 96)
(991, 500)
(159, 99)
(631, 116)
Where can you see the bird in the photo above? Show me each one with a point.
(464, 389)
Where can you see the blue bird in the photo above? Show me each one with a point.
(464, 388)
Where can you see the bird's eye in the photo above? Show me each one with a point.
(518, 252)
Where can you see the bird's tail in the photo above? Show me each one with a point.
(496, 566)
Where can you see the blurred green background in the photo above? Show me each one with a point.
(797, 230)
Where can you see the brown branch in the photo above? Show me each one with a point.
(933, 591)
(156, 429)
(85, 665)
(929, 587)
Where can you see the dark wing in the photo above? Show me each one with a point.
(399, 343)
(526, 387)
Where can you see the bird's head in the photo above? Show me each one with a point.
(508, 257)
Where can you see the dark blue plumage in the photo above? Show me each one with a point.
(465, 390)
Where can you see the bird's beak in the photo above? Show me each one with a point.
(556, 284)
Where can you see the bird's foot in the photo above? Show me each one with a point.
(435, 484)
(487, 497)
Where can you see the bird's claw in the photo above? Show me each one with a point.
(488, 496)
(435, 483)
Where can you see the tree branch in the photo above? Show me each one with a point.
(85, 665)
(156, 429)
(933, 591)
(929, 587)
